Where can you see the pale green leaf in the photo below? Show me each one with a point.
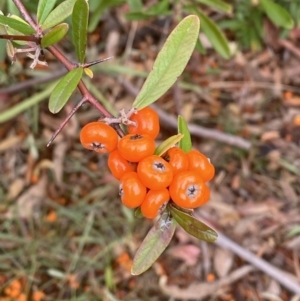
(54, 35)
(64, 89)
(44, 9)
(170, 61)
(185, 143)
(80, 17)
(277, 14)
(156, 241)
(58, 14)
(217, 4)
(167, 144)
(15, 24)
(214, 34)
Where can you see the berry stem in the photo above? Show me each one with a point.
(69, 116)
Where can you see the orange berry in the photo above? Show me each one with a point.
(155, 173)
(177, 158)
(188, 190)
(117, 165)
(201, 164)
(147, 122)
(153, 201)
(131, 190)
(134, 147)
(99, 136)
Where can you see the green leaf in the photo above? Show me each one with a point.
(159, 9)
(98, 11)
(64, 89)
(80, 17)
(214, 34)
(277, 14)
(20, 26)
(138, 213)
(170, 61)
(167, 144)
(27, 103)
(58, 14)
(191, 225)
(44, 9)
(135, 5)
(156, 241)
(217, 4)
(54, 35)
(186, 143)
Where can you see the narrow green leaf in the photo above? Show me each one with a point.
(192, 226)
(54, 35)
(277, 14)
(156, 241)
(167, 144)
(214, 34)
(159, 8)
(217, 4)
(80, 17)
(186, 143)
(138, 213)
(135, 5)
(20, 26)
(64, 89)
(58, 14)
(27, 103)
(98, 10)
(44, 9)
(199, 47)
(170, 61)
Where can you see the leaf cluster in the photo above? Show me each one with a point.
(247, 21)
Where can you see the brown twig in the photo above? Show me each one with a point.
(283, 278)
(289, 46)
(250, 84)
(89, 64)
(69, 116)
(21, 86)
(26, 15)
(195, 130)
(20, 38)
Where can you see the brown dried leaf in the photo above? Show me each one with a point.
(9, 142)
(202, 290)
(29, 200)
(188, 253)
(223, 260)
(15, 188)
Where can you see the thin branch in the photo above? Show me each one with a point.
(195, 130)
(20, 38)
(288, 45)
(224, 242)
(21, 86)
(250, 84)
(69, 116)
(26, 15)
(87, 65)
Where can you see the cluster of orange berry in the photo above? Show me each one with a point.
(146, 180)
